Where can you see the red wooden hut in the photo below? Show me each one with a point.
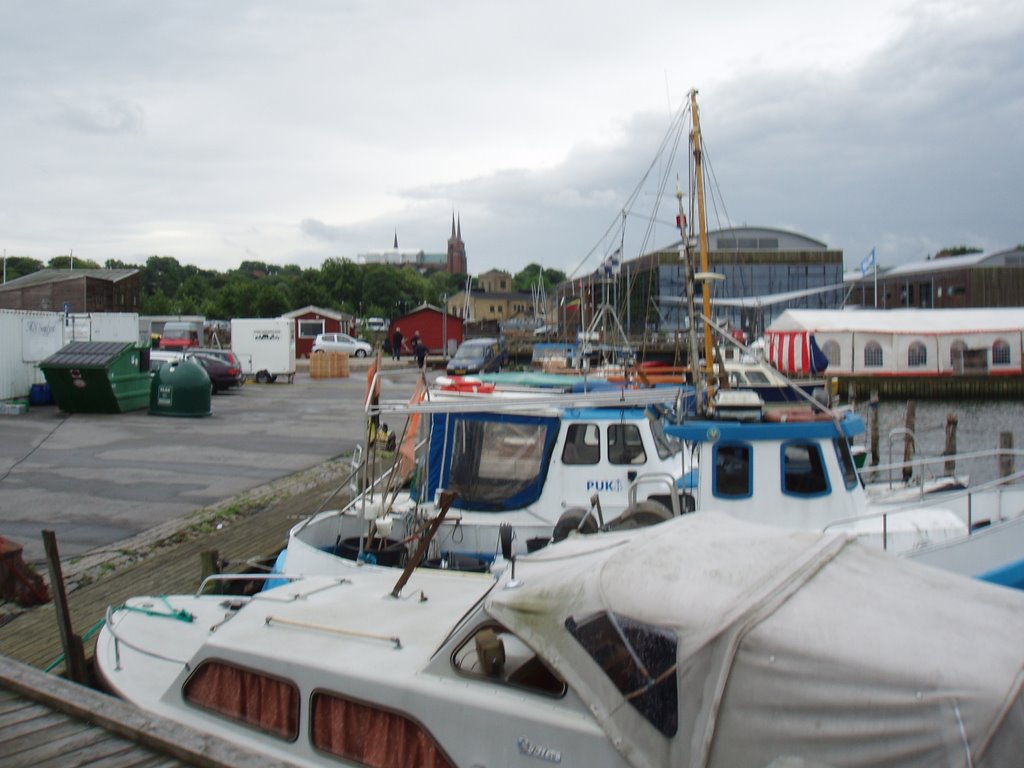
(310, 321)
(439, 330)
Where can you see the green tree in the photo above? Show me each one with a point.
(957, 250)
(19, 266)
(526, 279)
(155, 304)
(64, 262)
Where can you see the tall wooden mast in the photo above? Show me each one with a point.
(702, 228)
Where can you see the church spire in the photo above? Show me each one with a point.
(459, 235)
(453, 223)
(396, 239)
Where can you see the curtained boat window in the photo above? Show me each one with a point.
(368, 735)
(640, 659)
(268, 704)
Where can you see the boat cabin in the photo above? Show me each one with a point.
(794, 468)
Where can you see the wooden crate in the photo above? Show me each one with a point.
(328, 365)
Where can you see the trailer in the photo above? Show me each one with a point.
(265, 347)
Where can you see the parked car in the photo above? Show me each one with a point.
(375, 324)
(226, 355)
(223, 375)
(478, 356)
(341, 342)
(160, 357)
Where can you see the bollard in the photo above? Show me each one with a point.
(874, 428)
(950, 449)
(1005, 459)
(908, 440)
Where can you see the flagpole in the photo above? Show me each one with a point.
(874, 265)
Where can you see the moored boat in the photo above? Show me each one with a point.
(702, 641)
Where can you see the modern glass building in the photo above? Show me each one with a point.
(764, 272)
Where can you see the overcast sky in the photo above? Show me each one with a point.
(291, 132)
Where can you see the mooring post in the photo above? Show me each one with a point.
(950, 449)
(208, 564)
(873, 428)
(908, 440)
(1005, 457)
(74, 652)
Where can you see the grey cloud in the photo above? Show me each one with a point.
(113, 117)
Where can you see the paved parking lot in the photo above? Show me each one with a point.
(96, 479)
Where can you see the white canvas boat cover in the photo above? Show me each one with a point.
(787, 646)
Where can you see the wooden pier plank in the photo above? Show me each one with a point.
(84, 727)
(33, 637)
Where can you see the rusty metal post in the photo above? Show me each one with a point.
(1005, 459)
(908, 440)
(873, 428)
(950, 449)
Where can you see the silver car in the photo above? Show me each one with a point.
(341, 342)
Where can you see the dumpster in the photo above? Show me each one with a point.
(180, 388)
(98, 376)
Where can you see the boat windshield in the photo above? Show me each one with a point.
(492, 462)
(666, 446)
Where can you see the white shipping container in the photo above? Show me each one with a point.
(265, 347)
(28, 338)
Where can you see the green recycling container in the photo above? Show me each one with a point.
(98, 376)
(181, 388)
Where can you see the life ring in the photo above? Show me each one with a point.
(464, 384)
(785, 415)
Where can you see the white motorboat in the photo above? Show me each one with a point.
(701, 641)
(542, 461)
(793, 468)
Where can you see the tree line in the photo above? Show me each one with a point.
(259, 289)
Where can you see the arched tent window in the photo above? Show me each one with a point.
(1000, 352)
(872, 355)
(957, 352)
(917, 355)
(833, 353)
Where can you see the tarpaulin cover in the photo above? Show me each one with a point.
(787, 645)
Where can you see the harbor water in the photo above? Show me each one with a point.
(979, 424)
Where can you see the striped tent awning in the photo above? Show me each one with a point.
(795, 352)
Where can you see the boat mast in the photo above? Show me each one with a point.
(702, 228)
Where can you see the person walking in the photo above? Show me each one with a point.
(396, 344)
(420, 350)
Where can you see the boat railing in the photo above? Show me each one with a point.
(938, 500)
(224, 578)
(922, 468)
(657, 478)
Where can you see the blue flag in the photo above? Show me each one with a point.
(868, 262)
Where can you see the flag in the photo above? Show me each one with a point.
(868, 262)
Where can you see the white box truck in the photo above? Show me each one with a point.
(265, 347)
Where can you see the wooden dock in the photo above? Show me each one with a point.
(32, 637)
(48, 721)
